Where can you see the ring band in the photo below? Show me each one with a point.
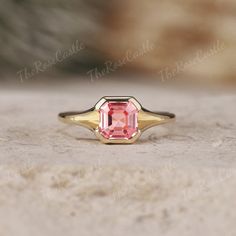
(117, 119)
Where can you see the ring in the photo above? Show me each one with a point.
(119, 120)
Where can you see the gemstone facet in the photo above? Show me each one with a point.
(118, 120)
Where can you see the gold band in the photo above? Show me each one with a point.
(90, 119)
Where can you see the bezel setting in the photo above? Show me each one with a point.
(125, 122)
(112, 99)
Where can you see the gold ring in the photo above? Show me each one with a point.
(117, 120)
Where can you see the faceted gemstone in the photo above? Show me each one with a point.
(118, 120)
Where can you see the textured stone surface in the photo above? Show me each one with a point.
(178, 179)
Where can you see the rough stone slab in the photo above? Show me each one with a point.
(55, 179)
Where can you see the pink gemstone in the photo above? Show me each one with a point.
(118, 120)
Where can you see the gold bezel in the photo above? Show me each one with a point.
(117, 98)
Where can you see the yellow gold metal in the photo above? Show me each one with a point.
(147, 119)
(90, 119)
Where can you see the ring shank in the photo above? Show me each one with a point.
(88, 118)
(161, 113)
(64, 115)
(170, 115)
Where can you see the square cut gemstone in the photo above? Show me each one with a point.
(118, 120)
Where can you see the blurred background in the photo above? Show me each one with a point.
(194, 40)
(64, 55)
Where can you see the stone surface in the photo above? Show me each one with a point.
(178, 179)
